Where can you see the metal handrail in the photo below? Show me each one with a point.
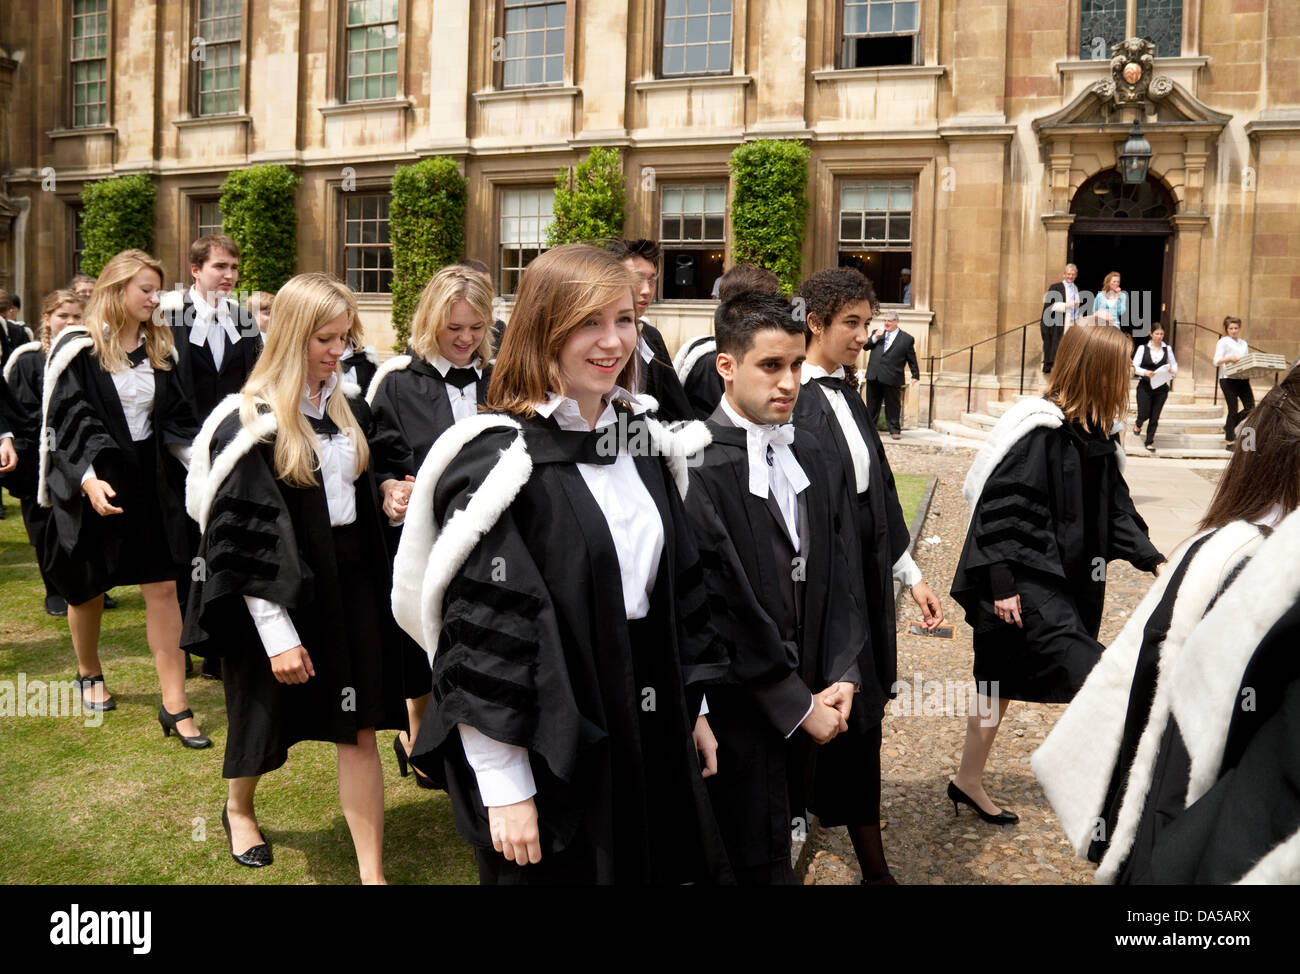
(970, 365)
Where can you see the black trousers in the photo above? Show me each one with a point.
(892, 397)
(1150, 403)
(1051, 338)
(1234, 390)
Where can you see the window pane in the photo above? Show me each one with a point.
(671, 228)
(697, 6)
(851, 198)
(713, 228)
(900, 227)
(693, 200)
(882, 18)
(877, 196)
(674, 8)
(850, 226)
(674, 60)
(855, 19)
(533, 72)
(555, 42)
(536, 18)
(696, 58)
(554, 69)
(719, 57)
(697, 30)
(715, 199)
(905, 16)
(874, 228)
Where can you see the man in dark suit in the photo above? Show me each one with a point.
(217, 343)
(891, 349)
(1060, 311)
(216, 339)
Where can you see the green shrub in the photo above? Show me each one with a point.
(426, 222)
(589, 201)
(258, 211)
(118, 215)
(768, 206)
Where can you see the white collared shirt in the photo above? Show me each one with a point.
(464, 401)
(207, 320)
(1235, 347)
(905, 569)
(779, 484)
(502, 771)
(338, 461)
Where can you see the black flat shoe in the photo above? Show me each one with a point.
(254, 858)
(84, 683)
(169, 721)
(109, 601)
(55, 605)
(403, 761)
(956, 795)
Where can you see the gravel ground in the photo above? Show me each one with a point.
(923, 841)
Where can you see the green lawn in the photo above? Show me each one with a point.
(119, 804)
(911, 487)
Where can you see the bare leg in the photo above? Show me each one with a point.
(162, 625)
(979, 741)
(361, 793)
(244, 832)
(83, 624)
(414, 711)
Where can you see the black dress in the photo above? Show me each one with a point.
(267, 539)
(534, 650)
(846, 785)
(790, 625)
(1052, 514)
(86, 554)
(411, 411)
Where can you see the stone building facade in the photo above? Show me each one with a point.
(971, 141)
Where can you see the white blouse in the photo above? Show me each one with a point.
(338, 461)
(464, 401)
(1229, 347)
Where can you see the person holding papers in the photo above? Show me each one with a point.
(1154, 363)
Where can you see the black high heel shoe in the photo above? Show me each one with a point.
(254, 858)
(169, 721)
(403, 761)
(84, 683)
(956, 795)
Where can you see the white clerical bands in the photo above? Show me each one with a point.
(779, 438)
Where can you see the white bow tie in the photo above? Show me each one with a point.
(779, 438)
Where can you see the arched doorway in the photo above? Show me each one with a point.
(1126, 227)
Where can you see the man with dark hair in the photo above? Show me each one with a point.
(696, 361)
(217, 344)
(891, 349)
(12, 331)
(770, 518)
(655, 374)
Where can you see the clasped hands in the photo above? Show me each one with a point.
(397, 495)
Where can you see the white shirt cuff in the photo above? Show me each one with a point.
(6, 436)
(89, 474)
(704, 705)
(502, 770)
(790, 733)
(905, 570)
(182, 452)
(274, 626)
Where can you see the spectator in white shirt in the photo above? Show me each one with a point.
(1232, 348)
(1155, 367)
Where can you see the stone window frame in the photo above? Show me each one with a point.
(194, 69)
(369, 188)
(336, 75)
(498, 42)
(500, 190)
(737, 8)
(71, 106)
(918, 48)
(75, 210)
(913, 182)
(197, 202)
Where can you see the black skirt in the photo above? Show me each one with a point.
(130, 548)
(347, 694)
(417, 676)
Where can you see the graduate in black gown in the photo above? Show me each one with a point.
(547, 567)
(293, 596)
(696, 361)
(655, 375)
(773, 520)
(1050, 509)
(24, 376)
(1115, 766)
(838, 304)
(415, 398)
(118, 425)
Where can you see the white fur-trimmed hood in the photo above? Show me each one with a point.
(17, 353)
(395, 364)
(72, 341)
(207, 473)
(690, 353)
(1025, 415)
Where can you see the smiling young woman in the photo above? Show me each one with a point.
(294, 593)
(550, 575)
(117, 424)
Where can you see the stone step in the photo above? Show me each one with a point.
(959, 429)
(975, 426)
(1171, 440)
(980, 421)
(1173, 412)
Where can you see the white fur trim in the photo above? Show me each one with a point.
(1026, 415)
(72, 341)
(394, 364)
(173, 300)
(1204, 680)
(370, 354)
(19, 351)
(428, 558)
(206, 475)
(349, 389)
(678, 444)
(1204, 577)
(690, 353)
(1280, 867)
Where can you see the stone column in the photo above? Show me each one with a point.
(1189, 229)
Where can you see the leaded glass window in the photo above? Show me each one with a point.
(371, 49)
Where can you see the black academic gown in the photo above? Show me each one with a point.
(85, 554)
(268, 539)
(360, 367)
(536, 651)
(702, 384)
(1054, 512)
(20, 414)
(411, 411)
(791, 627)
(659, 379)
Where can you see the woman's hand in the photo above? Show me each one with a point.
(98, 492)
(931, 610)
(8, 455)
(293, 666)
(514, 832)
(707, 745)
(397, 495)
(1008, 610)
